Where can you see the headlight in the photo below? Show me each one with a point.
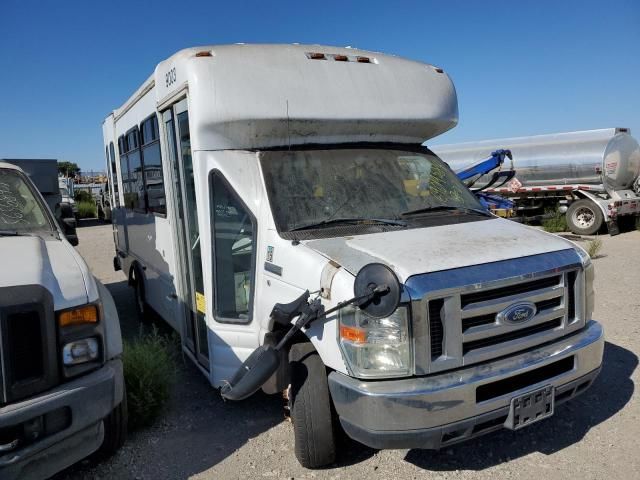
(80, 337)
(80, 351)
(375, 347)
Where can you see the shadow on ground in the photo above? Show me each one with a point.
(572, 420)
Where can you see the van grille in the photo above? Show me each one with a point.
(465, 323)
(523, 332)
(521, 288)
(436, 331)
(28, 358)
(23, 354)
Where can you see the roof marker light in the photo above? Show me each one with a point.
(316, 56)
(204, 53)
(363, 59)
(341, 58)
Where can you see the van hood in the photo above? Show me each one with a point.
(432, 249)
(51, 263)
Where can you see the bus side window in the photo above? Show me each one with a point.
(136, 175)
(114, 175)
(124, 171)
(152, 164)
(234, 238)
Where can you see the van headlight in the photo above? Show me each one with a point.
(80, 339)
(375, 347)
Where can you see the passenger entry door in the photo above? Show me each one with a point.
(176, 122)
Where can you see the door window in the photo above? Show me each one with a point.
(233, 252)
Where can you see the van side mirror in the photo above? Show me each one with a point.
(69, 226)
(72, 239)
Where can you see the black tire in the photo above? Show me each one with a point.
(137, 282)
(311, 412)
(115, 430)
(584, 217)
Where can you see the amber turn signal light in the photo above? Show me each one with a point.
(355, 335)
(78, 316)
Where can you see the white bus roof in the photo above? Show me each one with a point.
(257, 96)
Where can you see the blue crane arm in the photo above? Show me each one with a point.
(494, 161)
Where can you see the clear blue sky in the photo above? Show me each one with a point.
(520, 67)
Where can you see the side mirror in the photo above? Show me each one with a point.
(69, 224)
(72, 239)
(377, 281)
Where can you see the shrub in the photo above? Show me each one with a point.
(556, 223)
(593, 247)
(82, 196)
(149, 374)
(86, 209)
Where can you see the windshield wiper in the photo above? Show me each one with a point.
(14, 233)
(353, 221)
(9, 233)
(440, 208)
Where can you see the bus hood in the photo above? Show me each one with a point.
(426, 250)
(51, 263)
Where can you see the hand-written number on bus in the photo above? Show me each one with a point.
(170, 77)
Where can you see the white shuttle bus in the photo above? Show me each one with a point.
(246, 176)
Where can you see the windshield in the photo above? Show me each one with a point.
(309, 187)
(20, 211)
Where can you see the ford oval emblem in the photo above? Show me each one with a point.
(517, 313)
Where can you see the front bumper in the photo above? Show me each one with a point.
(82, 403)
(439, 410)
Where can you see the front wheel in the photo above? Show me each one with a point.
(311, 408)
(584, 217)
(115, 430)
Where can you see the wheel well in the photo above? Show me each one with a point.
(595, 200)
(135, 267)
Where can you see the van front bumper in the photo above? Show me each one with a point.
(439, 410)
(76, 407)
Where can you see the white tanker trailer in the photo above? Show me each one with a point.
(592, 175)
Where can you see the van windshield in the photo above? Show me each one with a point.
(20, 210)
(318, 188)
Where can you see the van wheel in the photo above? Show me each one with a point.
(142, 309)
(115, 430)
(584, 217)
(311, 408)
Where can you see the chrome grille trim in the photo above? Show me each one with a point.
(452, 285)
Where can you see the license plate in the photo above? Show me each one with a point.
(530, 407)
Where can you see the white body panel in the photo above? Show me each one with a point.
(145, 237)
(439, 248)
(54, 264)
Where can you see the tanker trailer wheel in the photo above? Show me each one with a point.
(584, 217)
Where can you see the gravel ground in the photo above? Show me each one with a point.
(594, 436)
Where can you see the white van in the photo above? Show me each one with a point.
(61, 382)
(245, 175)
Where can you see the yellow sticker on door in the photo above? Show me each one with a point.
(201, 303)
